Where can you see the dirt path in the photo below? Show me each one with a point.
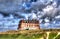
(47, 35)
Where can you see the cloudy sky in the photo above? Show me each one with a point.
(29, 9)
(17, 7)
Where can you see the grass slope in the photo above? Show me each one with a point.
(21, 36)
(25, 34)
(52, 35)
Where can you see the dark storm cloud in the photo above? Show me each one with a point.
(14, 6)
(10, 6)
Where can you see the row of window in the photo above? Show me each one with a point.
(29, 25)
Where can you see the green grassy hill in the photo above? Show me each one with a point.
(28, 34)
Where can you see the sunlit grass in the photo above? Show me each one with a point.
(58, 37)
(30, 34)
(52, 35)
(21, 36)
